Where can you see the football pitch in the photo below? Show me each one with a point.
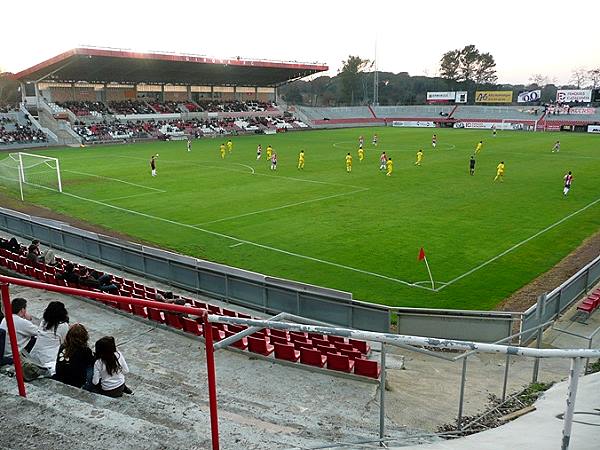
(361, 231)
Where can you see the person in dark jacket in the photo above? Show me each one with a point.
(75, 361)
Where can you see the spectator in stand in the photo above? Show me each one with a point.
(11, 245)
(51, 334)
(69, 274)
(24, 328)
(34, 254)
(110, 369)
(75, 361)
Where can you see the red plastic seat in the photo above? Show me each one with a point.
(287, 352)
(361, 346)
(343, 346)
(278, 340)
(236, 328)
(326, 348)
(218, 335)
(228, 312)
(352, 354)
(339, 362)
(334, 339)
(213, 309)
(367, 368)
(190, 326)
(244, 316)
(156, 315)
(260, 346)
(172, 319)
(124, 307)
(139, 311)
(279, 333)
(242, 344)
(312, 357)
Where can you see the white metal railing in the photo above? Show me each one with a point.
(403, 341)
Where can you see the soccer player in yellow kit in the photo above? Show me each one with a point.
(478, 148)
(500, 172)
(269, 152)
(301, 160)
(419, 157)
(229, 145)
(348, 163)
(361, 154)
(222, 150)
(390, 167)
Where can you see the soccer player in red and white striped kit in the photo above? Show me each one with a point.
(568, 180)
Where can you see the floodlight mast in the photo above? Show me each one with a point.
(376, 80)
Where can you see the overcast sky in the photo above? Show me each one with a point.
(525, 37)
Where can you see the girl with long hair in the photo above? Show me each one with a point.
(110, 369)
(51, 334)
(75, 361)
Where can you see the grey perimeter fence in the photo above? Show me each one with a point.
(274, 295)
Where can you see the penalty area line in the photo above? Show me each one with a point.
(244, 241)
(114, 179)
(519, 244)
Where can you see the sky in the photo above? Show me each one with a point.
(525, 37)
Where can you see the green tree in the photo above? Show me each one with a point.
(468, 64)
(8, 89)
(449, 65)
(594, 77)
(351, 78)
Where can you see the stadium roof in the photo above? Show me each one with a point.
(95, 65)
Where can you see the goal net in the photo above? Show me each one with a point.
(22, 172)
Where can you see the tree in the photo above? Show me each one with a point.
(485, 70)
(538, 80)
(8, 89)
(350, 78)
(468, 64)
(578, 77)
(449, 65)
(594, 77)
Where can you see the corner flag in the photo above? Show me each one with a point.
(421, 258)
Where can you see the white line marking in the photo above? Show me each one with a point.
(518, 245)
(114, 179)
(282, 207)
(251, 168)
(243, 241)
(236, 245)
(128, 196)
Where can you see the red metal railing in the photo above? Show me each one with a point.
(207, 331)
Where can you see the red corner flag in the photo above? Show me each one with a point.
(421, 254)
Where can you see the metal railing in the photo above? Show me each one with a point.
(413, 343)
(588, 338)
(549, 306)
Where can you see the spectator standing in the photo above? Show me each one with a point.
(75, 361)
(110, 369)
(24, 328)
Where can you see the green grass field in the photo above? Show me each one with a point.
(359, 232)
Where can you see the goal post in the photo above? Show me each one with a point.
(27, 170)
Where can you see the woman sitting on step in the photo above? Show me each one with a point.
(110, 369)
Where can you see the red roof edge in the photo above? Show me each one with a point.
(170, 57)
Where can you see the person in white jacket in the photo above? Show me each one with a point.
(110, 369)
(51, 334)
